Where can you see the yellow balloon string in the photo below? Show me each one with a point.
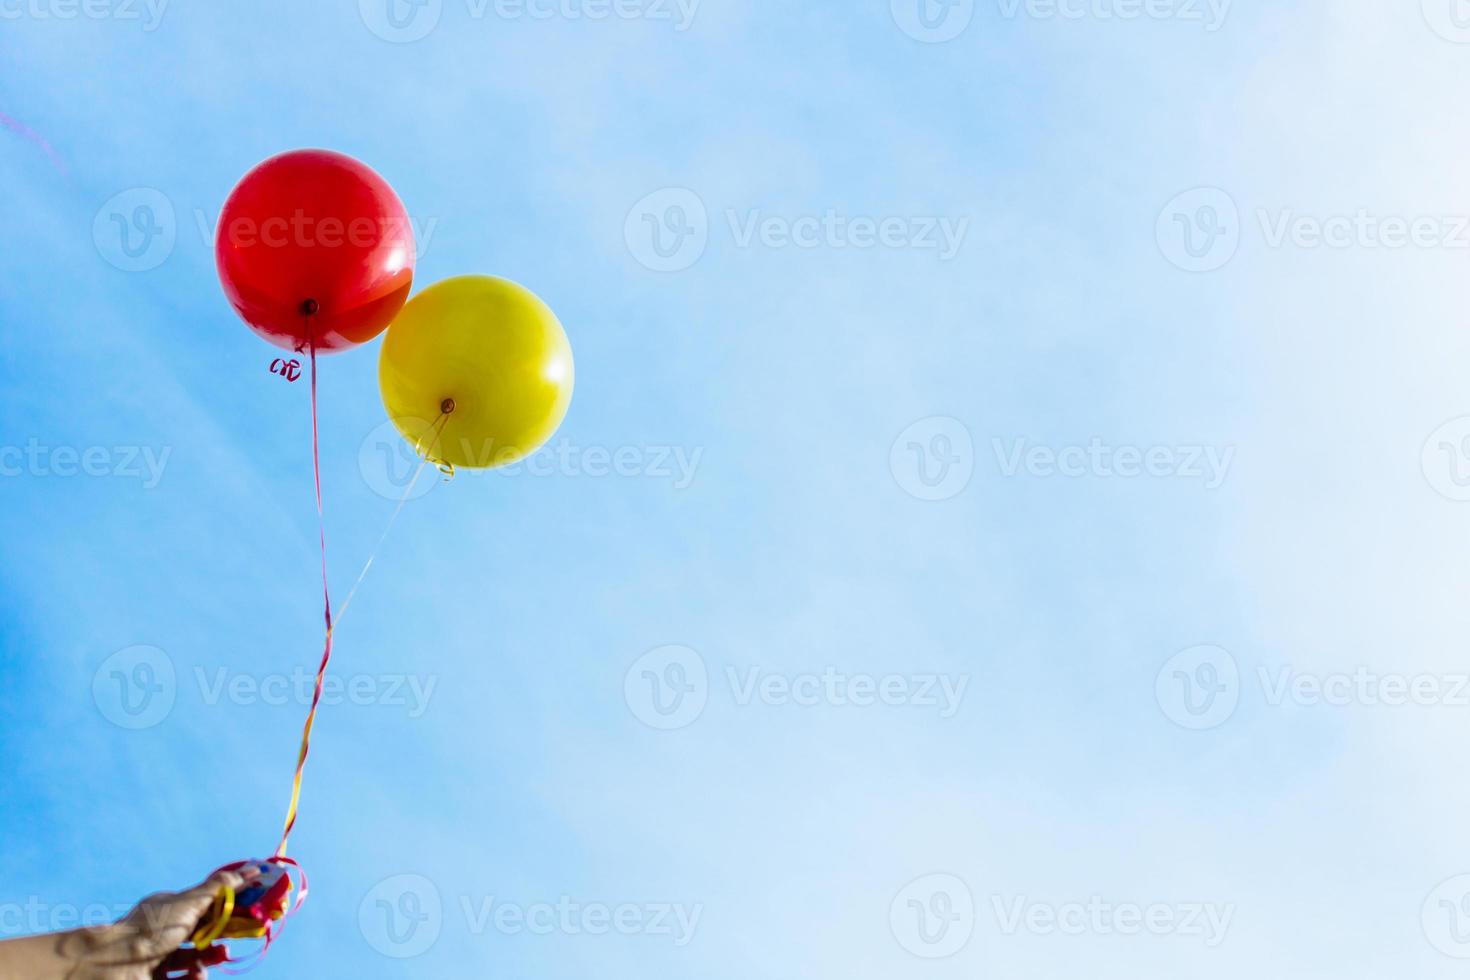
(438, 426)
(425, 457)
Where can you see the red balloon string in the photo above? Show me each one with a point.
(272, 929)
(321, 671)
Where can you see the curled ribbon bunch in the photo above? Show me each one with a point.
(290, 370)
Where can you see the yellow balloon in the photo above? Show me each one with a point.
(476, 372)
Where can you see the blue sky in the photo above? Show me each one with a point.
(955, 597)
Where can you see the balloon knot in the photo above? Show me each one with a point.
(310, 307)
(447, 406)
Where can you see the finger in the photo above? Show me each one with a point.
(177, 962)
(183, 959)
(172, 916)
(191, 961)
(214, 955)
(190, 905)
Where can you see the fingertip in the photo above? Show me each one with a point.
(230, 879)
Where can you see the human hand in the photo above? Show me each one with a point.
(143, 945)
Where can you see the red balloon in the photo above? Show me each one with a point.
(314, 247)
